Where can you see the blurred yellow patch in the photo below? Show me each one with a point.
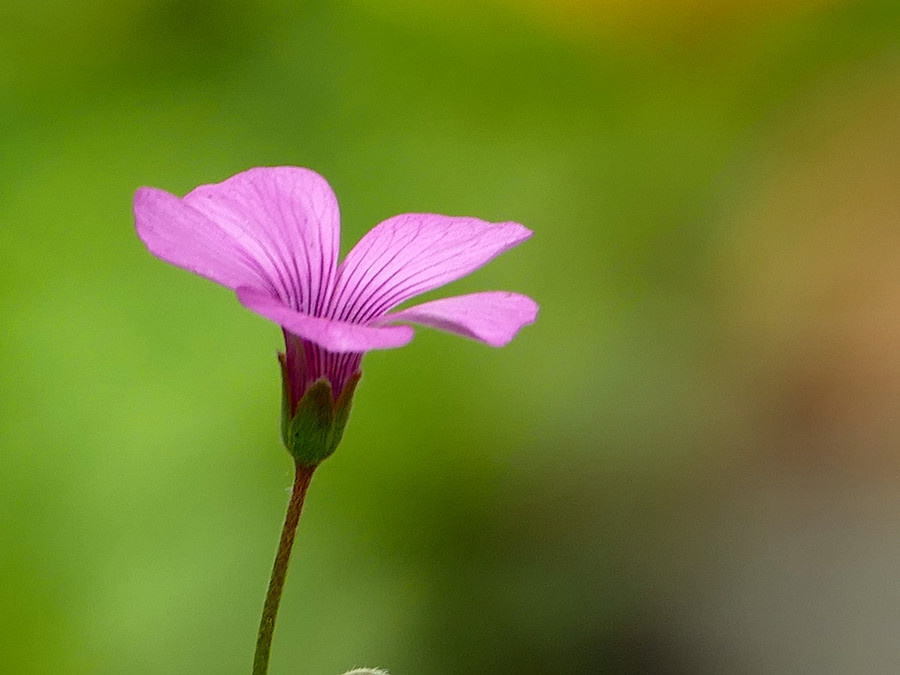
(647, 18)
(618, 20)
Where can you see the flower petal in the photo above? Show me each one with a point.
(335, 336)
(287, 219)
(412, 253)
(181, 235)
(493, 317)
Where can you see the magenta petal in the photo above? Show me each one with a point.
(412, 253)
(335, 336)
(493, 317)
(181, 235)
(288, 221)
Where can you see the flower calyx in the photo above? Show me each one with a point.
(313, 430)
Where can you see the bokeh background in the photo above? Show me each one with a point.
(689, 464)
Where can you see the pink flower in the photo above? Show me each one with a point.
(273, 236)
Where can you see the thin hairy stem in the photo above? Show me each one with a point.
(279, 570)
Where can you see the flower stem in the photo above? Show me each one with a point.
(302, 478)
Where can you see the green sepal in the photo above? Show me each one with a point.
(319, 421)
(342, 408)
(286, 412)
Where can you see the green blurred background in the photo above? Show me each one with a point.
(689, 464)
